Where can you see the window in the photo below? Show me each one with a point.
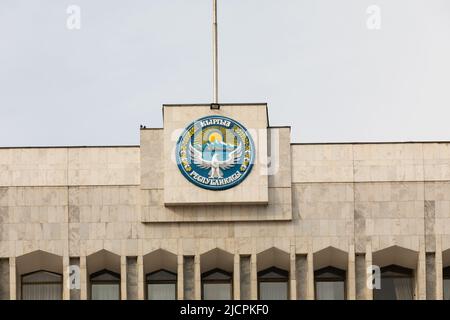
(396, 284)
(162, 285)
(329, 284)
(446, 274)
(42, 285)
(273, 284)
(216, 285)
(105, 285)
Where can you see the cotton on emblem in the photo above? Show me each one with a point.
(215, 153)
(215, 163)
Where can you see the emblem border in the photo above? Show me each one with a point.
(215, 188)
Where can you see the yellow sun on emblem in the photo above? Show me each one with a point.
(215, 137)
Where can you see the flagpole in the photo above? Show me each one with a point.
(215, 55)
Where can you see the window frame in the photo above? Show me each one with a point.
(446, 273)
(40, 282)
(338, 276)
(283, 278)
(99, 273)
(217, 281)
(401, 272)
(445, 276)
(149, 282)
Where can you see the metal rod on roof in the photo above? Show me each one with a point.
(215, 55)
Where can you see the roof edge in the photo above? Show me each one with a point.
(71, 147)
(365, 142)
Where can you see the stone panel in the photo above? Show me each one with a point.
(35, 217)
(103, 166)
(436, 161)
(325, 214)
(279, 158)
(437, 205)
(152, 173)
(322, 163)
(278, 208)
(33, 167)
(388, 162)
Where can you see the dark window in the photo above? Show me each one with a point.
(41, 285)
(105, 285)
(329, 284)
(162, 285)
(396, 284)
(217, 285)
(273, 284)
(446, 274)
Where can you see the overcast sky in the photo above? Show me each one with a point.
(315, 62)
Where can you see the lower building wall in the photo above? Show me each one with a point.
(346, 225)
(248, 280)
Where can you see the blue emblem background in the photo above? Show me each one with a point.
(191, 133)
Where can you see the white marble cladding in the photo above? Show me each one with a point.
(316, 214)
(152, 157)
(371, 162)
(108, 166)
(355, 198)
(69, 166)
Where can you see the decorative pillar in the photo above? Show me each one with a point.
(83, 279)
(132, 278)
(292, 275)
(439, 270)
(361, 276)
(66, 286)
(253, 277)
(245, 277)
(197, 278)
(123, 277)
(369, 292)
(189, 277)
(237, 277)
(430, 267)
(351, 283)
(4, 279)
(310, 276)
(180, 277)
(12, 278)
(301, 270)
(74, 278)
(140, 275)
(421, 272)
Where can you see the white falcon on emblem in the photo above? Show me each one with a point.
(215, 164)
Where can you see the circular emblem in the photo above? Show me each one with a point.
(215, 153)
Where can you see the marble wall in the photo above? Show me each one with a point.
(343, 205)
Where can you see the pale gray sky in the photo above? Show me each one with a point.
(315, 62)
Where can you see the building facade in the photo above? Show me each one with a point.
(308, 221)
